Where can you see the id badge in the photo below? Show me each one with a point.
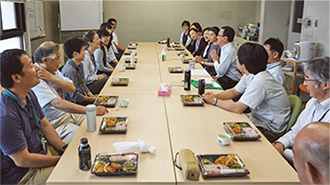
(43, 143)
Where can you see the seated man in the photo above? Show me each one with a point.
(311, 150)
(274, 48)
(25, 157)
(60, 112)
(265, 96)
(225, 66)
(94, 82)
(118, 49)
(73, 69)
(317, 108)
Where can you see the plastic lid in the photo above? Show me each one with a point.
(90, 107)
(84, 141)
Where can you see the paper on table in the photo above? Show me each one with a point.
(199, 72)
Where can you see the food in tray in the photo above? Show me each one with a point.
(128, 60)
(221, 165)
(182, 53)
(119, 81)
(106, 100)
(131, 47)
(241, 131)
(175, 69)
(192, 99)
(128, 52)
(115, 164)
(179, 49)
(113, 124)
(129, 66)
(187, 60)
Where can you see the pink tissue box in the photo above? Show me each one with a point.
(166, 92)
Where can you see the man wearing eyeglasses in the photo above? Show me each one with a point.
(225, 65)
(65, 116)
(317, 108)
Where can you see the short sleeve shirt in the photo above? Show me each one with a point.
(18, 131)
(46, 92)
(267, 100)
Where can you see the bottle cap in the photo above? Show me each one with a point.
(90, 107)
(84, 141)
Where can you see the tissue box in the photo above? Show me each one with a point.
(166, 92)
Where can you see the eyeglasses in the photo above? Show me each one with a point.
(58, 58)
(306, 78)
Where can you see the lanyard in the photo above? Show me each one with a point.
(35, 120)
(325, 113)
(58, 90)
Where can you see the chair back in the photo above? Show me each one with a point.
(295, 105)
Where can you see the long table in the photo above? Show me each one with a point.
(165, 123)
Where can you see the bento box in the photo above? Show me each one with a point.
(107, 101)
(221, 165)
(192, 100)
(241, 131)
(129, 66)
(119, 81)
(128, 60)
(113, 125)
(175, 69)
(115, 164)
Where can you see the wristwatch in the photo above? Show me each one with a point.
(203, 62)
(63, 149)
(214, 101)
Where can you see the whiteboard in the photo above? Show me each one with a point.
(35, 19)
(81, 15)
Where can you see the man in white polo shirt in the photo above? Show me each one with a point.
(65, 116)
(265, 96)
(118, 49)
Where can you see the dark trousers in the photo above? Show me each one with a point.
(271, 137)
(226, 82)
(96, 86)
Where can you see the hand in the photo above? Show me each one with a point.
(101, 76)
(279, 147)
(214, 77)
(100, 110)
(46, 75)
(208, 97)
(198, 59)
(214, 56)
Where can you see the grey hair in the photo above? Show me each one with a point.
(319, 69)
(46, 51)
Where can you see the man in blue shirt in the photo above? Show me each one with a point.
(25, 158)
(274, 48)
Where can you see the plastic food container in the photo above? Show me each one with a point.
(115, 164)
(221, 165)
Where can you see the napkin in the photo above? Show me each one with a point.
(163, 86)
(129, 146)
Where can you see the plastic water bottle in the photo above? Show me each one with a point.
(132, 58)
(91, 117)
(84, 152)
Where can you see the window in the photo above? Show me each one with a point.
(12, 25)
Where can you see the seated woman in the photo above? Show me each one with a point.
(207, 62)
(109, 49)
(199, 29)
(184, 37)
(94, 82)
(198, 45)
(102, 66)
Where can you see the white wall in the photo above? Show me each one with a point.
(274, 20)
(317, 10)
(292, 36)
(155, 20)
